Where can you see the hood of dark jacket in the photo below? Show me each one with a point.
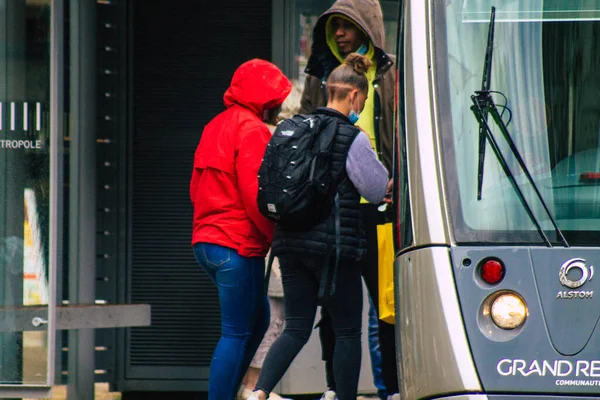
(368, 16)
(257, 85)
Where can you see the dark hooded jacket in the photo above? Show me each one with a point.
(368, 16)
(223, 187)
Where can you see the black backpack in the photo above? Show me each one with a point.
(296, 188)
(296, 185)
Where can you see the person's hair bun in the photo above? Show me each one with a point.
(349, 75)
(360, 64)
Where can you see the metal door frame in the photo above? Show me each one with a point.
(55, 209)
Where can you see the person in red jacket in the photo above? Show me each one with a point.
(230, 236)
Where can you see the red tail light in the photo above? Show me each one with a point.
(492, 271)
(590, 177)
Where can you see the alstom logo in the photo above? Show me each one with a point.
(581, 273)
(575, 263)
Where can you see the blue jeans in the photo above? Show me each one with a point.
(375, 351)
(244, 314)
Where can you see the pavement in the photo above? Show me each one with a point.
(102, 393)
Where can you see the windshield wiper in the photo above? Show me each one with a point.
(483, 104)
(485, 88)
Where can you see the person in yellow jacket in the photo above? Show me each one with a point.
(357, 26)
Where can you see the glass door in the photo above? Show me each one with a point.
(27, 198)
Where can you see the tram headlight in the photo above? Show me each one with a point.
(508, 311)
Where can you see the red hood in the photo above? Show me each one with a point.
(257, 85)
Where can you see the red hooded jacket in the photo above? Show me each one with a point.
(224, 181)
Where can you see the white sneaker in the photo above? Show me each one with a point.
(394, 396)
(247, 394)
(329, 395)
(275, 396)
(243, 393)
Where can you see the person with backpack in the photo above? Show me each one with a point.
(230, 236)
(357, 26)
(320, 264)
(275, 289)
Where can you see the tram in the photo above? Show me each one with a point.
(498, 199)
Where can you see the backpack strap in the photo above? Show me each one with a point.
(337, 245)
(268, 273)
(327, 135)
(325, 271)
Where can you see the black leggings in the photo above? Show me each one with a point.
(387, 339)
(301, 280)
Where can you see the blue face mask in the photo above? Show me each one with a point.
(353, 117)
(362, 50)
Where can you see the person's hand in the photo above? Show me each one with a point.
(388, 192)
(390, 186)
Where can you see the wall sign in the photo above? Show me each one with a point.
(21, 125)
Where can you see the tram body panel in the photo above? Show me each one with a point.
(548, 353)
(434, 354)
(423, 165)
(449, 346)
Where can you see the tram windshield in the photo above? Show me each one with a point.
(545, 80)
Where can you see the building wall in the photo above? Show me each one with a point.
(183, 58)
